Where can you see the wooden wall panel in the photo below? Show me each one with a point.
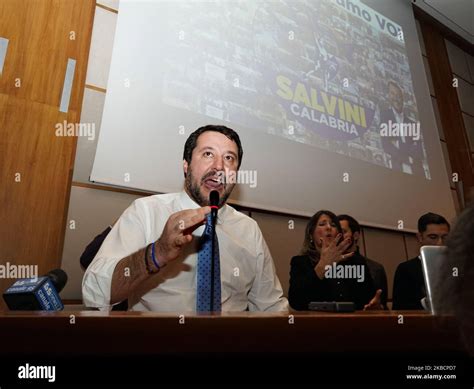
(33, 210)
(412, 245)
(448, 105)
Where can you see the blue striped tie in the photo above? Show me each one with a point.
(203, 292)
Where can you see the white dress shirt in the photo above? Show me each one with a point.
(248, 275)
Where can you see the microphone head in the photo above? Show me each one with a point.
(214, 198)
(58, 278)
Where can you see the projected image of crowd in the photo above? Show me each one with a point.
(230, 74)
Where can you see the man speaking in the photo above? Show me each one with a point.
(158, 255)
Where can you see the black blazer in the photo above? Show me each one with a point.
(410, 148)
(408, 285)
(93, 248)
(88, 256)
(377, 271)
(305, 286)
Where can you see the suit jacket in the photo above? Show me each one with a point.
(379, 277)
(408, 285)
(407, 149)
(89, 254)
(305, 285)
(93, 247)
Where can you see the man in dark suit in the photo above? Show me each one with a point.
(351, 229)
(405, 150)
(408, 284)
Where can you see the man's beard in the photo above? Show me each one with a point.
(194, 189)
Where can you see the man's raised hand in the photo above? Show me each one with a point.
(178, 233)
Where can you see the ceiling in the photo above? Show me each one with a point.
(457, 15)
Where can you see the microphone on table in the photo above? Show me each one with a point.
(37, 294)
(214, 202)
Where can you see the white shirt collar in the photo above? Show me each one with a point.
(187, 202)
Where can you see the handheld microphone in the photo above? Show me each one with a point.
(37, 294)
(214, 202)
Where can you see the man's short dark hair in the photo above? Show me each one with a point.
(191, 142)
(430, 218)
(353, 223)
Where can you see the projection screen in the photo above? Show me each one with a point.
(329, 97)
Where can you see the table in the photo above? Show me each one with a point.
(124, 347)
(94, 332)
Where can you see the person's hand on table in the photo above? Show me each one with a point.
(375, 303)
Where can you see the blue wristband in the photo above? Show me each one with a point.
(155, 262)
